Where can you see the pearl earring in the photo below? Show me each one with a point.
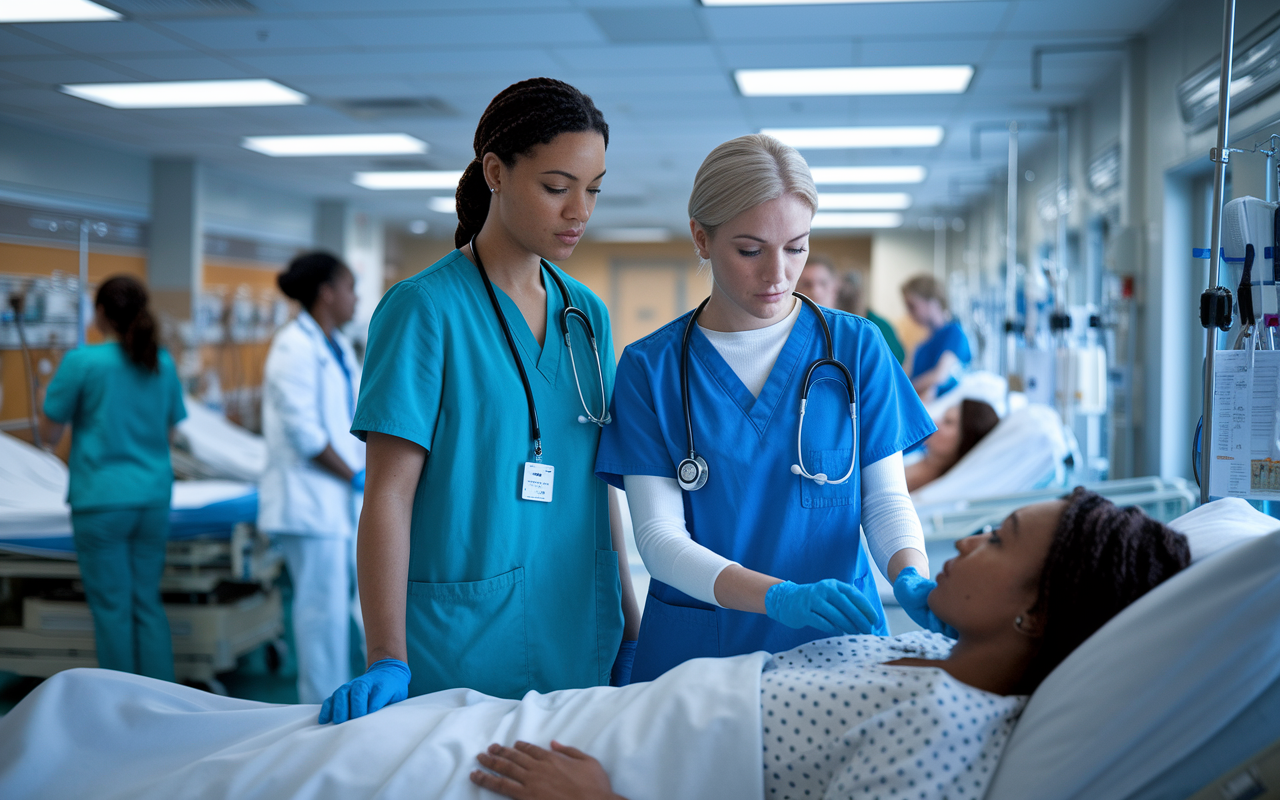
(1017, 622)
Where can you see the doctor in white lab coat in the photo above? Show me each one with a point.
(314, 481)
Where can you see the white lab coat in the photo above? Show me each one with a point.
(305, 406)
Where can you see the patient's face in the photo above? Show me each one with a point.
(946, 440)
(996, 576)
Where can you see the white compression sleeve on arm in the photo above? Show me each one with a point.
(664, 542)
(888, 517)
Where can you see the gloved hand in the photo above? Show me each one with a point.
(833, 607)
(357, 481)
(621, 674)
(912, 592)
(384, 683)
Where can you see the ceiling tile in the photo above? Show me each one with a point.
(105, 37)
(899, 52)
(255, 35)
(15, 45)
(788, 54)
(195, 68)
(404, 62)
(64, 70)
(465, 30)
(653, 57)
(861, 21)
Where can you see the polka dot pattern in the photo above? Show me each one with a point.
(840, 723)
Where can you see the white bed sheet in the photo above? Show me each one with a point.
(695, 732)
(1024, 452)
(231, 451)
(1161, 678)
(988, 387)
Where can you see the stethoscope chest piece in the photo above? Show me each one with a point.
(692, 473)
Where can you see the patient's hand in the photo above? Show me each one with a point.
(528, 772)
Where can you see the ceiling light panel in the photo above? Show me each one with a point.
(840, 138)
(857, 220)
(364, 144)
(408, 179)
(188, 94)
(443, 205)
(864, 201)
(867, 175)
(853, 81)
(54, 11)
(727, 3)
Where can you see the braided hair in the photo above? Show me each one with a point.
(523, 115)
(123, 301)
(1102, 558)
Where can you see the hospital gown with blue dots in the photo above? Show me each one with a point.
(841, 723)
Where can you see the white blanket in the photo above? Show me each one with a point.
(694, 732)
(229, 450)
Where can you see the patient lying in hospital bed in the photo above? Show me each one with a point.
(961, 428)
(844, 717)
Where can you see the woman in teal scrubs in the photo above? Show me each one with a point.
(122, 398)
(485, 555)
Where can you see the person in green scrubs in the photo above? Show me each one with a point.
(485, 554)
(122, 399)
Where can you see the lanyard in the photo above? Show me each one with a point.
(534, 430)
(346, 373)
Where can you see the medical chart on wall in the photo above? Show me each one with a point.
(1246, 425)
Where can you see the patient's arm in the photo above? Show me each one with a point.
(528, 772)
(926, 383)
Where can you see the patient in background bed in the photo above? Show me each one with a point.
(915, 716)
(918, 715)
(960, 430)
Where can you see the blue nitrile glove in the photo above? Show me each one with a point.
(357, 481)
(384, 683)
(912, 592)
(621, 674)
(833, 607)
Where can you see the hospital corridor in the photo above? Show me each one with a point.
(644, 399)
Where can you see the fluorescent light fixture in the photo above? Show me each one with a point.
(853, 80)
(54, 11)
(418, 227)
(715, 3)
(418, 179)
(631, 235)
(854, 219)
(362, 144)
(188, 94)
(443, 205)
(833, 138)
(852, 175)
(863, 201)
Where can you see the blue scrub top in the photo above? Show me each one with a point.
(929, 353)
(120, 417)
(753, 510)
(505, 595)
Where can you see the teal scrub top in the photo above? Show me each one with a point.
(505, 595)
(120, 417)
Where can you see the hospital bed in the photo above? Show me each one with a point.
(210, 446)
(1029, 449)
(217, 584)
(1178, 693)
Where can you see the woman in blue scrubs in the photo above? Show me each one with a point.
(761, 557)
(485, 556)
(939, 358)
(122, 398)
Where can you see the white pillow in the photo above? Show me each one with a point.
(1218, 525)
(1159, 680)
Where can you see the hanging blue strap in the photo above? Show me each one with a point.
(1203, 253)
(346, 373)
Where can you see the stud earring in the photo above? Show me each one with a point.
(1017, 622)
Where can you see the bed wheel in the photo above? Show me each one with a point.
(276, 652)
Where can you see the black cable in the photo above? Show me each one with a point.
(1195, 451)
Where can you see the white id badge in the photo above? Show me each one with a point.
(539, 481)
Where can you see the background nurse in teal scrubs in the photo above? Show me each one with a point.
(760, 557)
(122, 398)
(485, 556)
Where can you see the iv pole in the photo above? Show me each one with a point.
(1011, 258)
(1219, 155)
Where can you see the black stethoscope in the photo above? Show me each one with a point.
(570, 311)
(692, 473)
